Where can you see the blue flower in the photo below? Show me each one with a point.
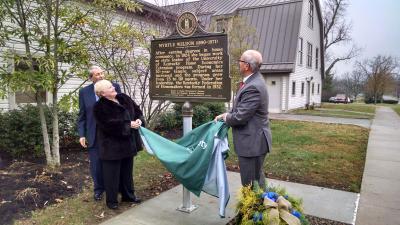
(296, 214)
(271, 195)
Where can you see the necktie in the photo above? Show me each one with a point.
(241, 84)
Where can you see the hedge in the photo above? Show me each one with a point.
(21, 133)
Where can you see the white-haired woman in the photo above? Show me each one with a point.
(118, 117)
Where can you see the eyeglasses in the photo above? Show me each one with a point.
(239, 60)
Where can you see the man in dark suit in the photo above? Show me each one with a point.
(249, 120)
(87, 128)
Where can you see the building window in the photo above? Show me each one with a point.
(294, 88)
(318, 88)
(302, 88)
(309, 54)
(300, 51)
(27, 96)
(312, 88)
(221, 25)
(316, 58)
(310, 13)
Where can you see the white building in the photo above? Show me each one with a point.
(289, 36)
(150, 16)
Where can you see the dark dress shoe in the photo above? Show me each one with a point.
(135, 200)
(98, 196)
(112, 205)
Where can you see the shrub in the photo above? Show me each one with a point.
(168, 120)
(390, 101)
(21, 132)
(202, 113)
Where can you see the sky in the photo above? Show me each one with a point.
(376, 29)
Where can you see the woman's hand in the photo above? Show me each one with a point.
(136, 124)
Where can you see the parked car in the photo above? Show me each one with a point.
(340, 98)
(332, 99)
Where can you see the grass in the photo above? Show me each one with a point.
(396, 108)
(354, 110)
(315, 153)
(312, 153)
(356, 107)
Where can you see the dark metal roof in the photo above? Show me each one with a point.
(222, 7)
(156, 11)
(277, 23)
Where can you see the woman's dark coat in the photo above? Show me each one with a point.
(116, 137)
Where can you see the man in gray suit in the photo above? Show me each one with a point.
(249, 120)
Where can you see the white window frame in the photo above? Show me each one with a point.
(311, 14)
(300, 53)
(294, 88)
(309, 54)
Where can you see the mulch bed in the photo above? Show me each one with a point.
(26, 184)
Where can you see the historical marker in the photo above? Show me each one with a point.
(190, 66)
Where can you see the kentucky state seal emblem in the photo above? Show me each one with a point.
(186, 24)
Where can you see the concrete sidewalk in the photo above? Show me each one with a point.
(321, 119)
(380, 201)
(320, 202)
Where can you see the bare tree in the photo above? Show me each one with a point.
(337, 31)
(354, 83)
(379, 73)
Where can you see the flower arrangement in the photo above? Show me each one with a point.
(271, 207)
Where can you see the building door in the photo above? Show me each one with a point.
(274, 87)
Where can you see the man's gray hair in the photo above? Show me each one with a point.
(92, 69)
(253, 58)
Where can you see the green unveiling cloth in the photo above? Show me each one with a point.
(188, 159)
(196, 160)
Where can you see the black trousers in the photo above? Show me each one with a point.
(251, 169)
(118, 177)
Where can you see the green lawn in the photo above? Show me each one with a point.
(353, 110)
(397, 108)
(320, 154)
(327, 155)
(356, 107)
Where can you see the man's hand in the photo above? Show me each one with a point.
(82, 140)
(221, 117)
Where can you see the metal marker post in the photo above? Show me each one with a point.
(187, 113)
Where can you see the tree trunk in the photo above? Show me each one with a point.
(46, 142)
(56, 137)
